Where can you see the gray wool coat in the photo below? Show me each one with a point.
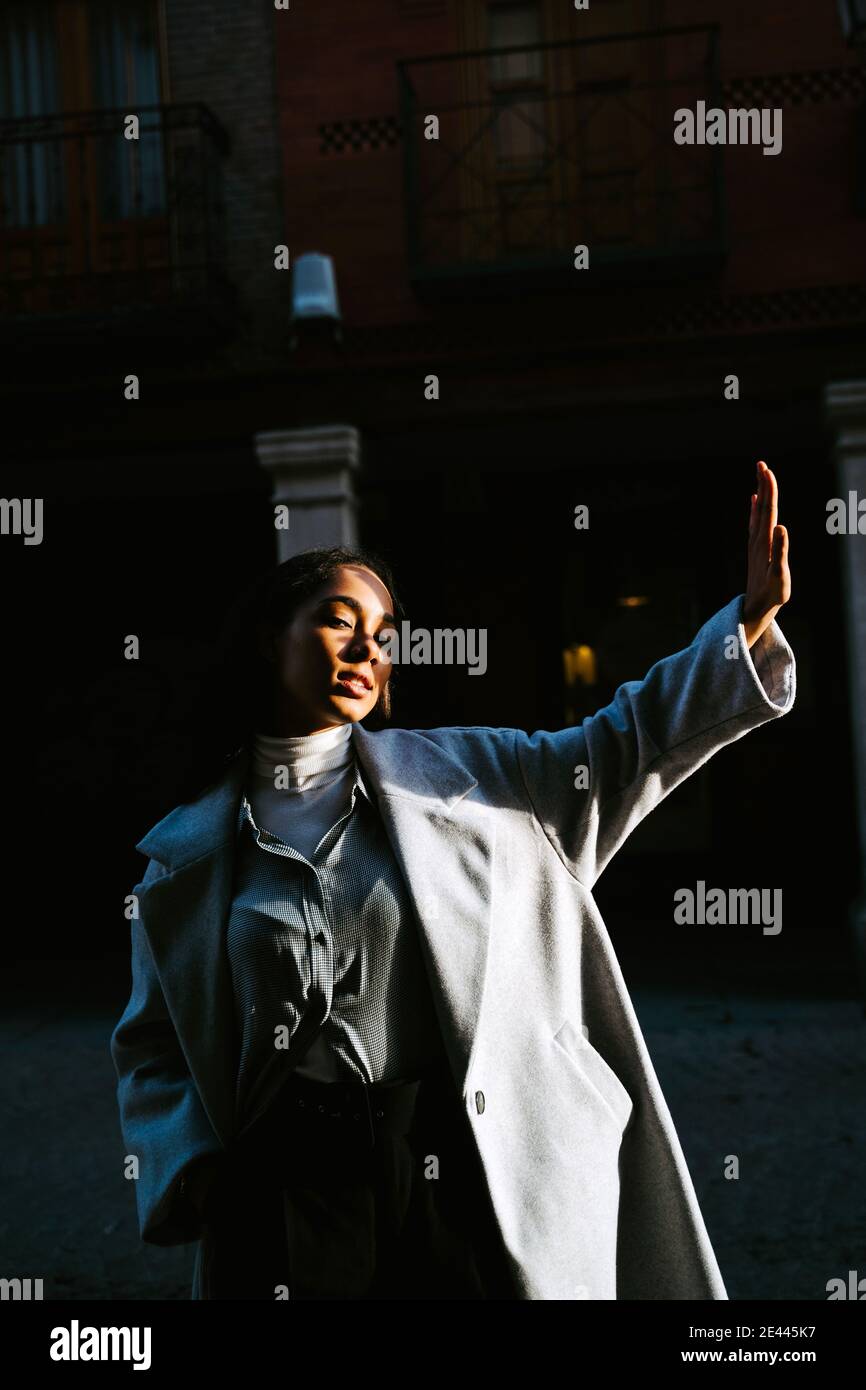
(501, 850)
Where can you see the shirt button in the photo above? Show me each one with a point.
(320, 936)
(479, 1102)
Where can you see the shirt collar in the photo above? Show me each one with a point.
(360, 785)
(245, 814)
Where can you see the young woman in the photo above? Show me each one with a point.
(378, 1044)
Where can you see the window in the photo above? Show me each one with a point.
(125, 67)
(33, 188)
(76, 197)
(516, 82)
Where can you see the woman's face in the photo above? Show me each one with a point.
(334, 634)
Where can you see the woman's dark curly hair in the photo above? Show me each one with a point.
(240, 680)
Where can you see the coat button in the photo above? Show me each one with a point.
(479, 1102)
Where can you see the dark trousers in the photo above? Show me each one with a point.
(346, 1191)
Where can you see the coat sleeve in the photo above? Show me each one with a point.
(654, 733)
(162, 1118)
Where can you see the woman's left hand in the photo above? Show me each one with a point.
(768, 585)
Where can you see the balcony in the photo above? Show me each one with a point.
(98, 231)
(546, 147)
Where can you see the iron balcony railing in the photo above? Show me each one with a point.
(553, 145)
(93, 220)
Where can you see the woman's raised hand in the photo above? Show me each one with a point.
(768, 583)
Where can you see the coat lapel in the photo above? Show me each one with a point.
(184, 915)
(443, 843)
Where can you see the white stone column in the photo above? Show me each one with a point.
(845, 403)
(312, 475)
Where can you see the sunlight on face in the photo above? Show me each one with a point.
(335, 634)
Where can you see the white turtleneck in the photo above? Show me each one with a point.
(314, 790)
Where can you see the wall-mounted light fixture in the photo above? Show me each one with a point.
(580, 665)
(314, 295)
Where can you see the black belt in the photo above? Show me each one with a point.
(364, 1110)
(351, 1112)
